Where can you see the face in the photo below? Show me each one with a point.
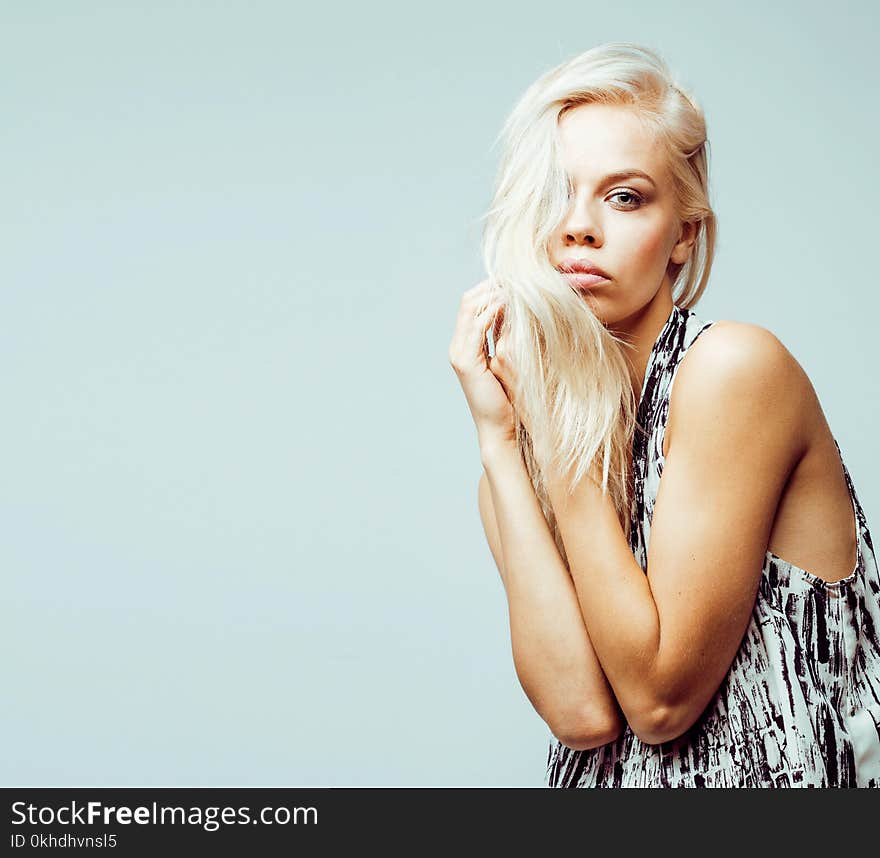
(626, 226)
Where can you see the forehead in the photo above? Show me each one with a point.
(596, 139)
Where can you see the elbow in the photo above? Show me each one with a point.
(660, 723)
(589, 730)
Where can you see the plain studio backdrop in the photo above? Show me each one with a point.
(240, 539)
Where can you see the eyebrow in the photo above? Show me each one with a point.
(628, 174)
(619, 175)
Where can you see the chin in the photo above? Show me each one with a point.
(595, 303)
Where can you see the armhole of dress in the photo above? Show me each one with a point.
(672, 381)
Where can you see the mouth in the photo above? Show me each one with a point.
(574, 265)
(582, 281)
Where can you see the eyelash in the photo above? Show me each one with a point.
(636, 196)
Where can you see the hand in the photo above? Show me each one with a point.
(485, 380)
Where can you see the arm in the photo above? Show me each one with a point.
(554, 659)
(666, 639)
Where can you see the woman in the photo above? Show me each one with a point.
(693, 593)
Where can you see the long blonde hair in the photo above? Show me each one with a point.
(574, 379)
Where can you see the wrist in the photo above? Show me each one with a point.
(497, 446)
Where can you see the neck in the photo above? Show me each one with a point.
(641, 330)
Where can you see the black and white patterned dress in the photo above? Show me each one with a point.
(800, 705)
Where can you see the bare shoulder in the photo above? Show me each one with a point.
(739, 368)
(740, 346)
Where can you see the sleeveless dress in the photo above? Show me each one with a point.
(800, 704)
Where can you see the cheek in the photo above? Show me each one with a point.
(650, 246)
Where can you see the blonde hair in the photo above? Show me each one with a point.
(575, 381)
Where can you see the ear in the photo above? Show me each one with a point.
(685, 245)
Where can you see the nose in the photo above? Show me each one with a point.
(580, 226)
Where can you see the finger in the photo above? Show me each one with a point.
(491, 299)
(487, 328)
(478, 293)
(473, 305)
(493, 330)
(477, 310)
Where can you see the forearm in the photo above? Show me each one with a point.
(613, 592)
(554, 658)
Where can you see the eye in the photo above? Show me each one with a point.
(635, 200)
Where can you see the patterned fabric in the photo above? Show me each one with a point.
(800, 705)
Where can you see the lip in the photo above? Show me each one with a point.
(572, 265)
(585, 281)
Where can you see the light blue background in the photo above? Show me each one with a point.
(240, 541)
